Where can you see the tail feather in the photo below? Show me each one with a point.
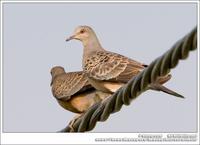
(159, 87)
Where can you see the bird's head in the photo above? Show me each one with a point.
(82, 33)
(57, 70)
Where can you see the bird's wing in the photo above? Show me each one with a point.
(67, 85)
(104, 65)
(131, 70)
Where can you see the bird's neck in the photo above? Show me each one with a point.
(91, 46)
(57, 73)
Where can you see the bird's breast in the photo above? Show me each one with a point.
(105, 86)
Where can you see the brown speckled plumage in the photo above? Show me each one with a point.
(73, 91)
(108, 71)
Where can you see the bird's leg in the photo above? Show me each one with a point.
(71, 123)
(102, 95)
(105, 100)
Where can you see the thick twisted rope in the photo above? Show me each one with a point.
(159, 67)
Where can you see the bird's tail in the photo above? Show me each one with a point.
(159, 87)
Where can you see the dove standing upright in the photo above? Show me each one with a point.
(108, 71)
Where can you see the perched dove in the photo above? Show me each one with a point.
(73, 91)
(108, 71)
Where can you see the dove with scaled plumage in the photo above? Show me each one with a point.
(108, 71)
(73, 91)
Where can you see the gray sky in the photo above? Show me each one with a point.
(34, 41)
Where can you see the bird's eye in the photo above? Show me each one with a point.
(82, 31)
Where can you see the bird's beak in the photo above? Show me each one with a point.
(70, 38)
(51, 82)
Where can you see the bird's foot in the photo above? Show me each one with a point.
(105, 100)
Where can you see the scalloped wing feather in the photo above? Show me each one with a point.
(104, 65)
(68, 84)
